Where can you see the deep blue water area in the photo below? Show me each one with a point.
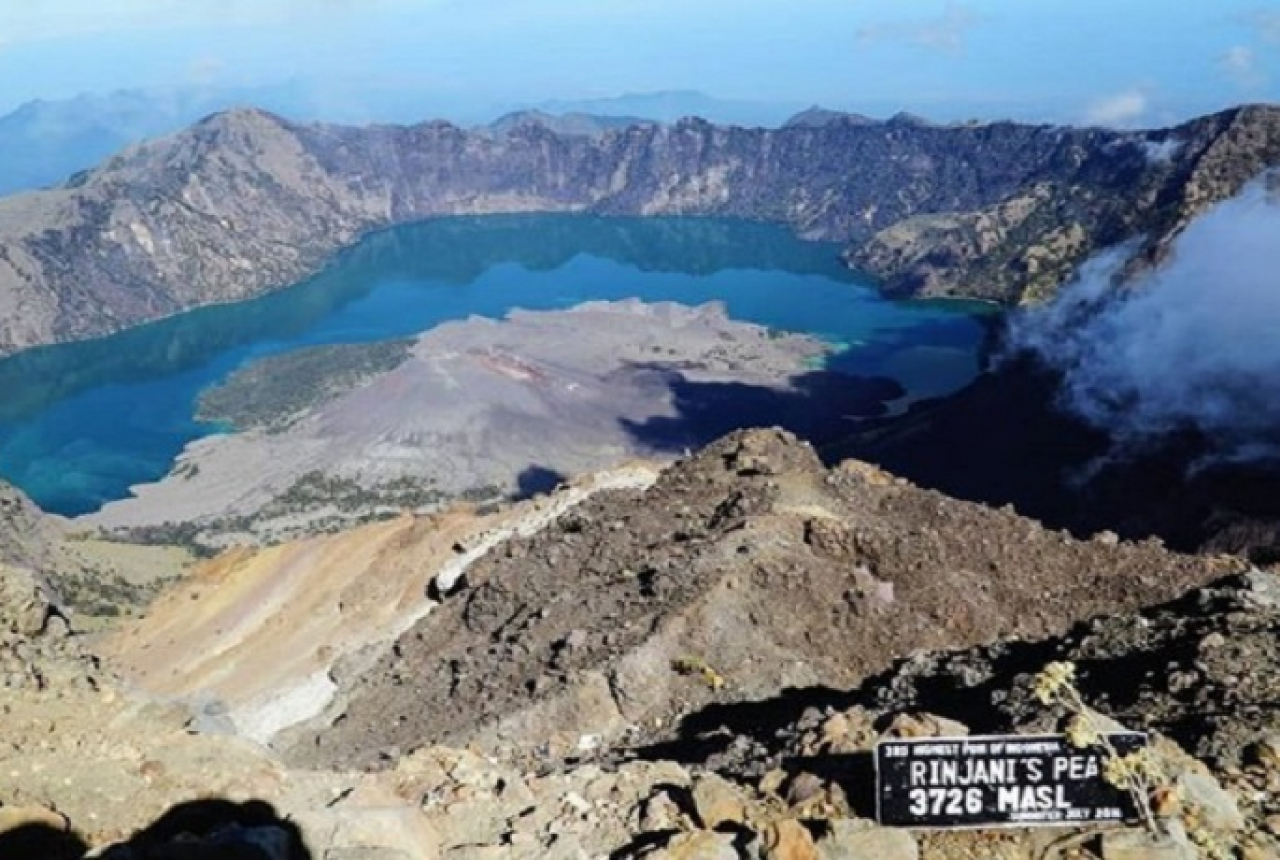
(80, 423)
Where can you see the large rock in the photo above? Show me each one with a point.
(699, 845)
(1140, 845)
(862, 840)
(1266, 753)
(1215, 804)
(1199, 789)
(14, 817)
(718, 801)
(26, 603)
(788, 840)
(36, 652)
(368, 854)
(389, 828)
(38, 833)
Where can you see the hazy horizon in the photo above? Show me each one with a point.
(1134, 64)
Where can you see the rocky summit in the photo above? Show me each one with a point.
(750, 563)
(692, 661)
(245, 202)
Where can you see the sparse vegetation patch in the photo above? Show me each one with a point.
(272, 392)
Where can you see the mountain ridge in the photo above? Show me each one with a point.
(245, 202)
(571, 123)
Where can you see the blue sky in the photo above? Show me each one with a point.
(1120, 62)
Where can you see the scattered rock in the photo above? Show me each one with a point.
(487, 801)
(803, 788)
(1266, 753)
(1140, 845)
(856, 839)
(511, 664)
(660, 812)
(368, 854)
(13, 817)
(1216, 805)
(718, 801)
(788, 840)
(699, 845)
(925, 726)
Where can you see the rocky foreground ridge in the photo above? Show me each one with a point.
(691, 664)
(750, 557)
(245, 202)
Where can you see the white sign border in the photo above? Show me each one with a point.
(1003, 825)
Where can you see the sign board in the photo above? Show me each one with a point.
(999, 781)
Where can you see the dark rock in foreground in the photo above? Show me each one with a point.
(744, 570)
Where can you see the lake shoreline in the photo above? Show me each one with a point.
(85, 422)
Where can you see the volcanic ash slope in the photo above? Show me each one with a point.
(255, 638)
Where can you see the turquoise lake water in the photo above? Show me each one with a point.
(80, 423)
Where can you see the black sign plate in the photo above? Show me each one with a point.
(998, 781)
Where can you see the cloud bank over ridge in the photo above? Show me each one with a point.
(1192, 345)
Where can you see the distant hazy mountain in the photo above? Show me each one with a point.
(44, 142)
(816, 117)
(571, 124)
(671, 105)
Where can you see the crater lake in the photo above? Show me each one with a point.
(80, 423)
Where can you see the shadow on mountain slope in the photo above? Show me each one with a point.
(713, 730)
(536, 479)
(1019, 448)
(206, 828)
(250, 829)
(1003, 440)
(41, 842)
(819, 407)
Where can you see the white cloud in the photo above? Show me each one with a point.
(947, 31)
(1161, 152)
(1119, 110)
(1266, 25)
(1191, 344)
(1240, 64)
